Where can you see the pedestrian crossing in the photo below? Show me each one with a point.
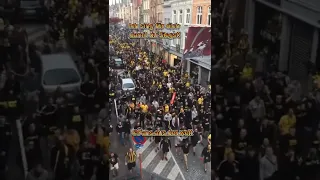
(152, 162)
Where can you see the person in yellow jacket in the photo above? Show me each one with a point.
(72, 138)
(166, 108)
(103, 140)
(188, 84)
(247, 72)
(165, 73)
(200, 100)
(286, 122)
(171, 90)
(209, 139)
(144, 108)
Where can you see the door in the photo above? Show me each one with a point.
(204, 77)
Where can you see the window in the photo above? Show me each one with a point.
(179, 43)
(174, 17)
(185, 39)
(187, 16)
(60, 77)
(182, 41)
(209, 15)
(199, 15)
(166, 20)
(128, 86)
(180, 16)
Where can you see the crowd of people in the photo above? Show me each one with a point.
(70, 140)
(73, 134)
(264, 127)
(163, 99)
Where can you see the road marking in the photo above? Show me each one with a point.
(156, 164)
(182, 175)
(174, 172)
(162, 164)
(149, 158)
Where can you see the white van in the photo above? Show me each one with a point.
(59, 70)
(128, 84)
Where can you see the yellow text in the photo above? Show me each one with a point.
(148, 133)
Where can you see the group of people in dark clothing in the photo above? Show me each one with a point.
(265, 128)
(62, 137)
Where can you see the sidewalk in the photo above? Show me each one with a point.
(120, 150)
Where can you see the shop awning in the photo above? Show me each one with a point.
(198, 43)
(198, 46)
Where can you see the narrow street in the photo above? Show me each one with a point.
(15, 168)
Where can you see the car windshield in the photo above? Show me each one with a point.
(61, 77)
(118, 63)
(128, 85)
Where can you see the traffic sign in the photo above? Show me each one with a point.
(139, 140)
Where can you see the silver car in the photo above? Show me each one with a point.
(59, 70)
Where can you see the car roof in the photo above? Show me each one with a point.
(57, 61)
(118, 59)
(127, 81)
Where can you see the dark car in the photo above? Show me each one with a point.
(23, 9)
(117, 63)
(32, 9)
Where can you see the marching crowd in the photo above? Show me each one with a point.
(264, 127)
(76, 135)
(76, 138)
(163, 99)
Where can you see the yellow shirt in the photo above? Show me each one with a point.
(286, 122)
(144, 108)
(165, 73)
(171, 90)
(200, 101)
(227, 151)
(187, 84)
(166, 108)
(247, 73)
(76, 118)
